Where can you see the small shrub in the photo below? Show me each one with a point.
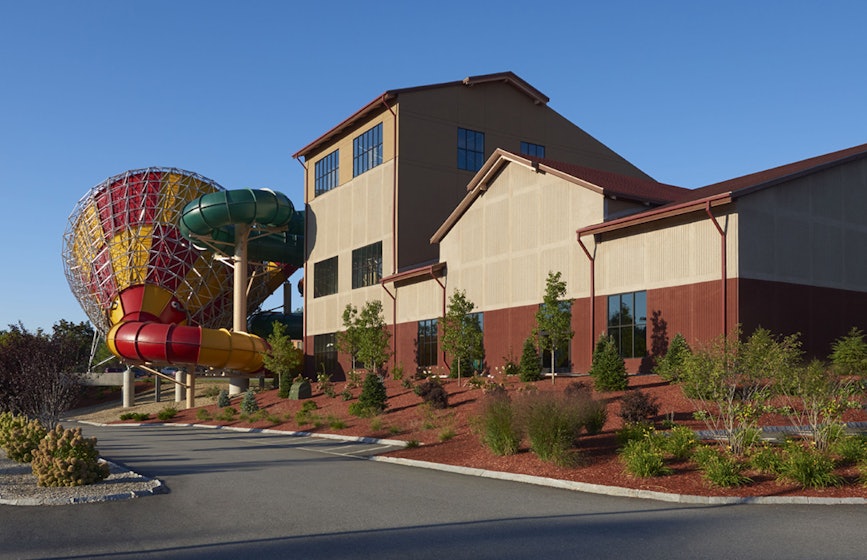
(679, 442)
(305, 413)
(510, 366)
(595, 417)
(65, 458)
(851, 449)
(552, 424)
(223, 399)
(373, 399)
(23, 437)
(325, 385)
(766, 459)
(577, 389)
(413, 443)
(637, 406)
(353, 379)
(227, 414)
(346, 395)
(530, 366)
(336, 423)
(808, 467)
(446, 434)
(608, 369)
(211, 390)
(669, 366)
(720, 468)
(376, 423)
(497, 426)
(397, 372)
(476, 381)
(433, 393)
(249, 404)
(643, 458)
(630, 432)
(167, 413)
(203, 415)
(137, 416)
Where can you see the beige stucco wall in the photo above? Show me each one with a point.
(521, 228)
(356, 213)
(812, 230)
(674, 252)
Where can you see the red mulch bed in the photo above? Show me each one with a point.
(406, 420)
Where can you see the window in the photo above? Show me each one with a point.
(471, 149)
(627, 323)
(427, 343)
(325, 277)
(530, 149)
(367, 150)
(326, 172)
(367, 265)
(325, 352)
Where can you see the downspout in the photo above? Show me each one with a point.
(393, 231)
(443, 286)
(592, 292)
(724, 298)
(306, 253)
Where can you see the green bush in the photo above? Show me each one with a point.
(203, 415)
(530, 366)
(248, 403)
(595, 417)
(22, 438)
(643, 458)
(227, 414)
(137, 416)
(65, 458)
(373, 399)
(167, 413)
(552, 423)
(669, 367)
(679, 442)
(608, 369)
(808, 467)
(720, 468)
(766, 458)
(633, 431)
(850, 448)
(305, 414)
(223, 399)
(497, 426)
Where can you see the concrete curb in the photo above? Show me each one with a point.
(615, 491)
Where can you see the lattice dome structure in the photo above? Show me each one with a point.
(123, 234)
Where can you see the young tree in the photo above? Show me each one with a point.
(40, 374)
(283, 358)
(554, 318)
(461, 333)
(348, 338)
(608, 369)
(373, 337)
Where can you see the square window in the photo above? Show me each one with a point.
(367, 265)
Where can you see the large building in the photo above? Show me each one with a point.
(478, 185)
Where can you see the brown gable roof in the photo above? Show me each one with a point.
(605, 183)
(382, 101)
(726, 191)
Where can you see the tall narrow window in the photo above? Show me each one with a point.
(327, 171)
(367, 150)
(325, 352)
(627, 323)
(530, 149)
(471, 149)
(325, 277)
(367, 265)
(427, 343)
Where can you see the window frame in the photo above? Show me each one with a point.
(427, 353)
(628, 333)
(325, 281)
(369, 273)
(470, 157)
(532, 150)
(326, 173)
(367, 150)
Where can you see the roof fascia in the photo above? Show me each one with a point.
(656, 214)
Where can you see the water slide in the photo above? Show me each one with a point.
(140, 257)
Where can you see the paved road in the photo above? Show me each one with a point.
(238, 495)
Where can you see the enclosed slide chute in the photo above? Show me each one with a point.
(144, 254)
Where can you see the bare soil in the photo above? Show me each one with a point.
(446, 436)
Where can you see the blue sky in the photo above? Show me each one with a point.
(691, 92)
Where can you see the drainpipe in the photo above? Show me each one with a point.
(443, 286)
(306, 241)
(592, 292)
(724, 298)
(393, 230)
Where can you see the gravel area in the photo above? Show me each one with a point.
(18, 487)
